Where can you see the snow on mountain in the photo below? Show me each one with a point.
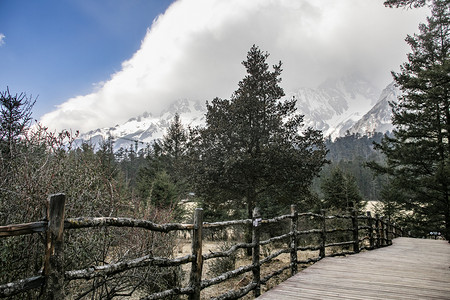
(378, 119)
(337, 104)
(146, 127)
(335, 107)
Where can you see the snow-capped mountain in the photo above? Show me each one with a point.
(335, 107)
(336, 104)
(146, 127)
(378, 119)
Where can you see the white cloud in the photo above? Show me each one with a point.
(2, 39)
(195, 48)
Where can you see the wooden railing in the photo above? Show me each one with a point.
(366, 232)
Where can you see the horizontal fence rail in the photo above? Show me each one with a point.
(366, 233)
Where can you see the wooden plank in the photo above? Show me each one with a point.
(21, 229)
(409, 269)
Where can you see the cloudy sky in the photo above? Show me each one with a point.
(98, 63)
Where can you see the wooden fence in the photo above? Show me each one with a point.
(366, 232)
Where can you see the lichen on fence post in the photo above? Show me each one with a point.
(256, 270)
(54, 253)
(294, 222)
(197, 263)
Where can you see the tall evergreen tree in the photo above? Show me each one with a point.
(250, 149)
(341, 192)
(174, 141)
(163, 177)
(173, 152)
(15, 117)
(391, 197)
(418, 155)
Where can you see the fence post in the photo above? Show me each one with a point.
(256, 270)
(323, 234)
(294, 222)
(370, 225)
(197, 264)
(387, 228)
(355, 230)
(378, 230)
(54, 249)
(383, 232)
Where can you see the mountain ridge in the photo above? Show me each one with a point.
(337, 106)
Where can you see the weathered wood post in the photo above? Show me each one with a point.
(256, 270)
(387, 233)
(197, 264)
(370, 225)
(294, 222)
(378, 229)
(323, 234)
(383, 232)
(54, 249)
(354, 212)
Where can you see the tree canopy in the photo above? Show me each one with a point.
(251, 152)
(341, 192)
(15, 117)
(418, 155)
(411, 3)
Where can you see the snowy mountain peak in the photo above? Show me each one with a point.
(335, 107)
(378, 119)
(351, 86)
(336, 104)
(146, 128)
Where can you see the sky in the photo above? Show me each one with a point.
(97, 63)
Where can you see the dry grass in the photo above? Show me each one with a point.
(184, 248)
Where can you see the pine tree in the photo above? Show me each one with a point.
(174, 141)
(173, 153)
(15, 117)
(341, 192)
(164, 169)
(163, 192)
(250, 149)
(391, 196)
(418, 155)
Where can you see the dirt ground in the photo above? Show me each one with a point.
(184, 248)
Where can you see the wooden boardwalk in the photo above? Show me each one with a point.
(409, 269)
